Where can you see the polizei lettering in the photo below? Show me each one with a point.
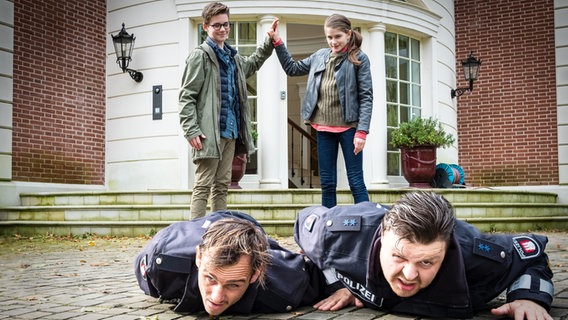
(357, 288)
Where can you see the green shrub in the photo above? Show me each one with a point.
(421, 132)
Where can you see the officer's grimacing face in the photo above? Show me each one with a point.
(409, 267)
(221, 287)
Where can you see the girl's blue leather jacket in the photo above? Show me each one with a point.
(354, 84)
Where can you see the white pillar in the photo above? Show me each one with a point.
(272, 117)
(375, 152)
(187, 42)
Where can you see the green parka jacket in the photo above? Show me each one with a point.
(200, 97)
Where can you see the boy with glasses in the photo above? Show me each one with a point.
(213, 108)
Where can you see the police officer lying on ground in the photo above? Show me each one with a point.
(417, 258)
(224, 262)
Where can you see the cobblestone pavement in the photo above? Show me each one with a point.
(93, 279)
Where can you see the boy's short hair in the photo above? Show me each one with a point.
(213, 9)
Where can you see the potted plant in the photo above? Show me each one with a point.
(239, 165)
(238, 169)
(418, 141)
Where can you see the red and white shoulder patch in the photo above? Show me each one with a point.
(143, 267)
(526, 247)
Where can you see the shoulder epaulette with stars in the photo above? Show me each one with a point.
(489, 250)
(344, 223)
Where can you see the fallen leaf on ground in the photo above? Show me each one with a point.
(99, 264)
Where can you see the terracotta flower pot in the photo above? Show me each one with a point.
(238, 170)
(419, 166)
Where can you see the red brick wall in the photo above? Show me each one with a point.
(59, 91)
(507, 125)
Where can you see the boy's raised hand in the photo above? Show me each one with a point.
(273, 32)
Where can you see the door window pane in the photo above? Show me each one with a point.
(404, 72)
(247, 33)
(404, 93)
(391, 68)
(393, 164)
(392, 115)
(403, 45)
(415, 72)
(415, 95)
(405, 114)
(390, 43)
(415, 49)
(392, 92)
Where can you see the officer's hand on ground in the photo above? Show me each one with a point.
(338, 300)
(521, 310)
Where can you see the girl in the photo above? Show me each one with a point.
(337, 103)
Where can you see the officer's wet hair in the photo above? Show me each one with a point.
(227, 239)
(421, 217)
(213, 9)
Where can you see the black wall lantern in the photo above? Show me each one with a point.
(123, 45)
(470, 70)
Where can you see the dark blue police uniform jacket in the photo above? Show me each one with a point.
(166, 269)
(344, 241)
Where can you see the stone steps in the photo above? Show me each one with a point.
(300, 196)
(144, 213)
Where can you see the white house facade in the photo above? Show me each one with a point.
(411, 45)
(146, 154)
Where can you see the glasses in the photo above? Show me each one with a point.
(217, 26)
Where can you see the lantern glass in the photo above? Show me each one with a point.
(470, 70)
(123, 45)
(471, 67)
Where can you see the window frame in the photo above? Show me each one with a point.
(400, 107)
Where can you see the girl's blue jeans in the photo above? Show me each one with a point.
(328, 149)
